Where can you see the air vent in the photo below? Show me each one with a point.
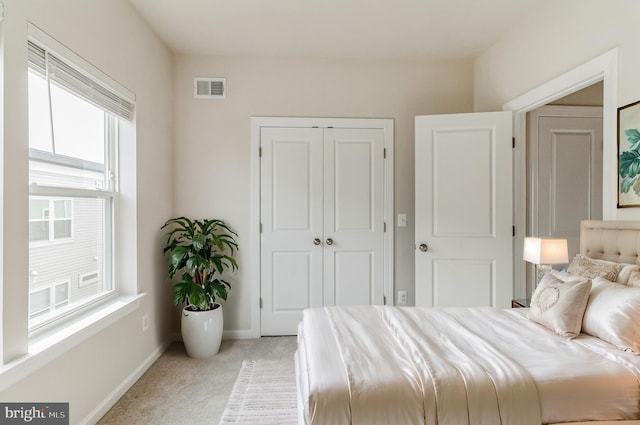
(88, 279)
(209, 88)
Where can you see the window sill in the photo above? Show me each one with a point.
(49, 347)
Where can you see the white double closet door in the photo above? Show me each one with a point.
(322, 205)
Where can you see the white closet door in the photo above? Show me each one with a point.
(291, 209)
(353, 216)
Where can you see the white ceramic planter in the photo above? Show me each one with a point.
(202, 332)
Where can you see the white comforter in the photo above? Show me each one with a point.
(386, 365)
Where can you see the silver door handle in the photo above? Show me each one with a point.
(329, 241)
(423, 247)
(317, 241)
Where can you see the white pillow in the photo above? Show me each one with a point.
(613, 314)
(559, 305)
(634, 279)
(626, 272)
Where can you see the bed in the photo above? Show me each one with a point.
(572, 357)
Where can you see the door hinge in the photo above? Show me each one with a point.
(384, 300)
(513, 231)
(384, 227)
(513, 142)
(260, 227)
(384, 153)
(260, 152)
(260, 302)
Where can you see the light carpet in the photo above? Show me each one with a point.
(264, 393)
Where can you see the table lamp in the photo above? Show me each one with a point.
(545, 252)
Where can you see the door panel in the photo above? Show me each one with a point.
(291, 217)
(464, 210)
(463, 283)
(353, 216)
(352, 163)
(469, 151)
(292, 180)
(292, 280)
(354, 278)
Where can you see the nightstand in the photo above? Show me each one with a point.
(520, 303)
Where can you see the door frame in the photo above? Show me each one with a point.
(254, 234)
(602, 68)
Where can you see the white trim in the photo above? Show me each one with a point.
(254, 228)
(52, 346)
(389, 214)
(602, 68)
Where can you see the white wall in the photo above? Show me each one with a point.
(555, 39)
(213, 138)
(110, 35)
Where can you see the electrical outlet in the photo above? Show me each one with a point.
(145, 322)
(402, 298)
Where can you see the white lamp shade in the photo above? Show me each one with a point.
(545, 251)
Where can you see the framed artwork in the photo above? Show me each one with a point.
(629, 155)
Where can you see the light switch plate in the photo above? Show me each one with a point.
(402, 220)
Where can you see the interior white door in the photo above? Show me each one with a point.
(566, 171)
(463, 210)
(291, 219)
(322, 218)
(353, 216)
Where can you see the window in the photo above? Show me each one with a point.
(50, 219)
(74, 120)
(45, 300)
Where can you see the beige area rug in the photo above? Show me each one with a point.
(264, 393)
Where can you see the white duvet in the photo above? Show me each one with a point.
(387, 365)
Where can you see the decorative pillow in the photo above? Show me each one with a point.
(588, 267)
(613, 315)
(625, 270)
(566, 276)
(634, 279)
(625, 273)
(559, 305)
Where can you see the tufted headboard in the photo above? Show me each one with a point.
(617, 241)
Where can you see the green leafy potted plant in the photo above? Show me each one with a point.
(202, 250)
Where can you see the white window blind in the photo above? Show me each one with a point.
(65, 75)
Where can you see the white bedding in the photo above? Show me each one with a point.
(389, 365)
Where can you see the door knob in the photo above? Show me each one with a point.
(329, 241)
(317, 241)
(423, 247)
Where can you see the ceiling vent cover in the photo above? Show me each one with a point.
(209, 88)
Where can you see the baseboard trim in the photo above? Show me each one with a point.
(117, 393)
(238, 334)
